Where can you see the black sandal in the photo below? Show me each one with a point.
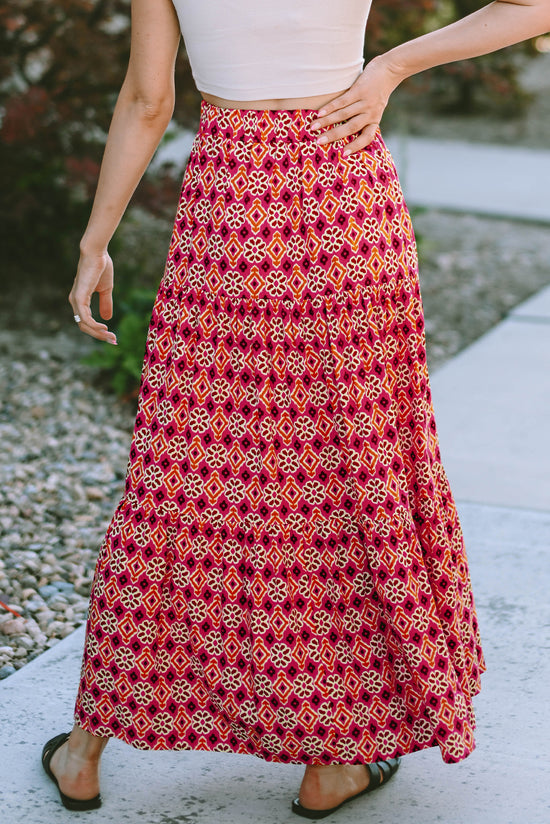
(50, 747)
(388, 768)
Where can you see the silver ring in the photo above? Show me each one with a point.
(78, 319)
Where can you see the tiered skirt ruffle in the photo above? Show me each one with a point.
(285, 574)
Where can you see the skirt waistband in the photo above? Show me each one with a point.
(262, 125)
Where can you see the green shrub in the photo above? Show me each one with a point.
(121, 365)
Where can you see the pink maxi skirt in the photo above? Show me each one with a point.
(285, 574)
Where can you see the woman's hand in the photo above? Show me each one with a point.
(94, 274)
(359, 110)
(499, 24)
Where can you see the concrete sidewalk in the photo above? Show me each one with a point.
(502, 181)
(492, 405)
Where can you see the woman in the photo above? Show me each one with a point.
(285, 574)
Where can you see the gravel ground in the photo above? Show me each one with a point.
(65, 440)
(473, 271)
(64, 446)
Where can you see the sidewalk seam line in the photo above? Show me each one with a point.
(537, 319)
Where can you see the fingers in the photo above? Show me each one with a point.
(106, 304)
(348, 106)
(98, 331)
(350, 120)
(362, 140)
(338, 103)
(358, 127)
(94, 274)
(105, 290)
(350, 127)
(357, 112)
(87, 324)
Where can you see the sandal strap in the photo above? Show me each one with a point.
(50, 747)
(375, 778)
(389, 767)
(382, 771)
(385, 768)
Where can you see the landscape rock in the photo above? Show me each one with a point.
(64, 451)
(16, 626)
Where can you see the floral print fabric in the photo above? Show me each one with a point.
(285, 574)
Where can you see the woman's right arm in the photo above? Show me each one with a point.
(142, 113)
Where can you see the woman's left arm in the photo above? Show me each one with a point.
(500, 24)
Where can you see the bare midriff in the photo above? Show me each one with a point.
(285, 103)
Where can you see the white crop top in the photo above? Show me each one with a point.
(263, 49)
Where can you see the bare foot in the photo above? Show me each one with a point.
(326, 786)
(76, 764)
